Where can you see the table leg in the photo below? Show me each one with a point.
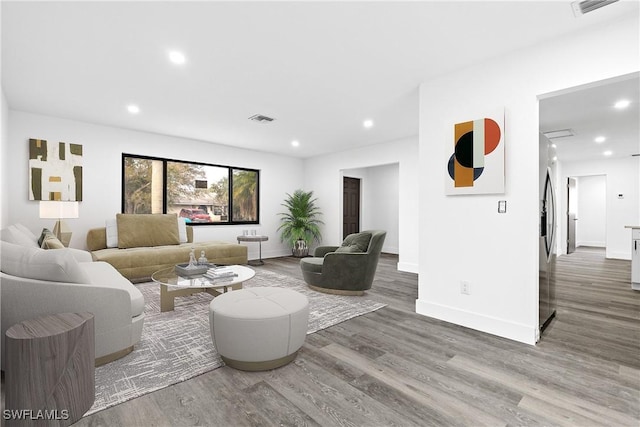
(166, 299)
(258, 261)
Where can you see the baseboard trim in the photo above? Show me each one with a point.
(511, 330)
(618, 255)
(408, 267)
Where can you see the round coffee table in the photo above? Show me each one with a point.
(173, 285)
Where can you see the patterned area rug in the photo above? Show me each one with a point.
(177, 346)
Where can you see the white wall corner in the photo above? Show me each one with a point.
(526, 334)
(408, 267)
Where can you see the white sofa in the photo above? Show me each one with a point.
(36, 282)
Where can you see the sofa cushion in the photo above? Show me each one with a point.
(357, 242)
(57, 265)
(141, 263)
(32, 237)
(312, 264)
(13, 234)
(146, 230)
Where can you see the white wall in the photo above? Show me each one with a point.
(592, 211)
(102, 150)
(623, 177)
(324, 176)
(463, 237)
(380, 203)
(4, 154)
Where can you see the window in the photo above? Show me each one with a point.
(200, 192)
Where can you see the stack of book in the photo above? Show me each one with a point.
(220, 273)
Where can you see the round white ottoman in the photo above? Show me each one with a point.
(259, 328)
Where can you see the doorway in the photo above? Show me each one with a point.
(350, 206)
(572, 209)
(586, 201)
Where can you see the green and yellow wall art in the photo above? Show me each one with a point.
(477, 163)
(55, 171)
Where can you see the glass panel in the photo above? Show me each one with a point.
(197, 192)
(201, 193)
(245, 195)
(142, 186)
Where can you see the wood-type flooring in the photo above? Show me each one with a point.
(396, 368)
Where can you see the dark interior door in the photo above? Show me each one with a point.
(350, 206)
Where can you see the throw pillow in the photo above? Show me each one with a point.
(182, 230)
(35, 263)
(112, 233)
(144, 230)
(46, 233)
(50, 241)
(357, 242)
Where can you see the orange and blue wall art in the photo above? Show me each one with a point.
(477, 163)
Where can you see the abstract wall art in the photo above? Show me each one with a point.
(476, 165)
(55, 171)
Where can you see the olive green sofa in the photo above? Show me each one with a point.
(347, 269)
(147, 243)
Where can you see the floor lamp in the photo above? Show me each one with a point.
(54, 209)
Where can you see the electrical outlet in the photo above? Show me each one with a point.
(464, 287)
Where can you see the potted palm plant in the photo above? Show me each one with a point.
(300, 225)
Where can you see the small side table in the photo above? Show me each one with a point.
(258, 239)
(50, 369)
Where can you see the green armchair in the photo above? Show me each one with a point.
(347, 269)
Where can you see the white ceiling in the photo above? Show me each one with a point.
(589, 112)
(318, 68)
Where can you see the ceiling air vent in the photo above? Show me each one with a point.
(260, 118)
(562, 133)
(586, 6)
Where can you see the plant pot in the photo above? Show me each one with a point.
(300, 249)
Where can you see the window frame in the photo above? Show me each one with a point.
(230, 170)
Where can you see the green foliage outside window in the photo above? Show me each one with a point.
(196, 191)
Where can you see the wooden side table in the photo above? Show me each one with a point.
(50, 370)
(254, 238)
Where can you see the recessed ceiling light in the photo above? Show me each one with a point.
(133, 109)
(555, 158)
(608, 153)
(600, 139)
(295, 143)
(367, 123)
(622, 104)
(554, 146)
(177, 57)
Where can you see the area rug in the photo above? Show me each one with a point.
(177, 345)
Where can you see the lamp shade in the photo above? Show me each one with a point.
(54, 209)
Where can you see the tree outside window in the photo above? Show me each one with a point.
(198, 192)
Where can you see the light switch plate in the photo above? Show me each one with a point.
(502, 206)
